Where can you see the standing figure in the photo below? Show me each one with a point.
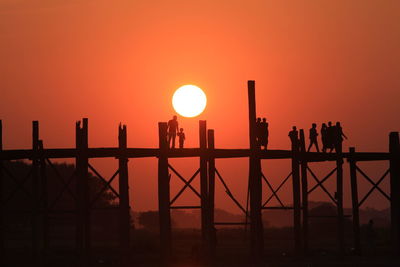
(294, 136)
(324, 137)
(313, 137)
(172, 130)
(264, 133)
(330, 137)
(182, 138)
(258, 132)
(338, 137)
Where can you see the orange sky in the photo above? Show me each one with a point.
(120, 61)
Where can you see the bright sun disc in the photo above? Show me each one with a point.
(189, 100)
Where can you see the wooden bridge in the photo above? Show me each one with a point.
(300, 175)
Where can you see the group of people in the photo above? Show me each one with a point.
(331, 136)
(262, 133)
(173, 130)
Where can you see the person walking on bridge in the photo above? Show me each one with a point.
(313, 137)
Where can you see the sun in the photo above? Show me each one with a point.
(189, 101)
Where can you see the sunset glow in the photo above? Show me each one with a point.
(189, 101)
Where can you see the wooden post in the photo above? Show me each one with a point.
(211, 191)
(394, 150)
(79, 200)
(163, 192)
(296, 197)
(2, 210)
(124, 209)
(339, 197)
(256, 226)
(44, 199)
(83, 195)
(304, 188)
(354, 201)
(204, 186)
(35, 191)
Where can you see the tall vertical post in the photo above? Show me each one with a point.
(83, 195)
(339, 196)
(296, 196)
(354, 201)
(204, 185)
(164, 192)
(44, 199)
(304, 189)
(256, 226)
(2, 225)
(35, 190)
(394, 150)
(211, 191)
(124, 209)
(79, 199)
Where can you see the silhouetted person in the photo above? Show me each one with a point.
(172, 130)
(330, 137)
(258, 132)
(182, 138)
(294, 136)
(338, 137)
(324, 137)
(313, 137)
(264, 133)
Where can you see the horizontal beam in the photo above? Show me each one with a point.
(186, 152)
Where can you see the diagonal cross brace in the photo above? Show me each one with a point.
(20, 185)
(65, 184)
(184, 187)
(273, 191)
(229, 193)
(375, 186)
(184, 180)
(107, 184)
(319, 183)
(372, 182)
(277, 189)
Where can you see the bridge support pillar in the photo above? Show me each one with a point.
(394, 150)
(164, 193)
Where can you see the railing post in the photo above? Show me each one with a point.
(164, 192)
(124, 209)
(354, 201)
(394, 150)
(296, 197)
(256, 225)
(304, 188)
(211, 191)
(35, 191)
(339, 196)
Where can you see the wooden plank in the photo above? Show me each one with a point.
(124, 209)
(164, 193)
(304, 192)
(394, 150)
(211, 192)
(354, 202)
(256, 226)
(115, 152)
